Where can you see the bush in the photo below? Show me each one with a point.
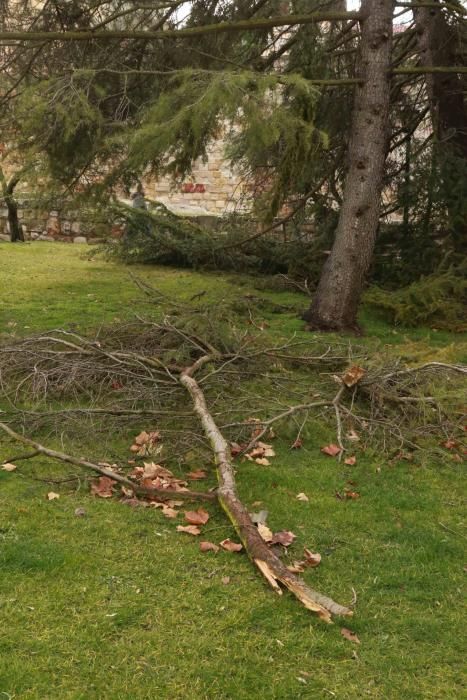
(438, 299)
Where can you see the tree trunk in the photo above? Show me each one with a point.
(16, 231)
(335, 304)
(439, 44)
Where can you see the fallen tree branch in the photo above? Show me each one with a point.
(85, 464)
(270, 566)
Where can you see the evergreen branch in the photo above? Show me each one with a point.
(188, 32)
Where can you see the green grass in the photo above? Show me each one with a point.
(118, 605)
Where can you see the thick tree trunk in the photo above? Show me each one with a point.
(439, 45)
(336, 300)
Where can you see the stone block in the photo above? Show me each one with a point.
(79, 239)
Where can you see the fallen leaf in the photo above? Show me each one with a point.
(265, 532)
(52, 496)
(263, 461)
(260, 517)
(298, 567)
(208, 547)
(225, 580)
(331, 450)
(353, 495)
(80, 512)
(198, 517)
(231, 546)
(284, 537)
(302, 497)
(194, 476)
(235, 449)
(189, 529)
(449, 444)
(312, 558)
(352, 375)
(351, 636)
(297, 444)
(8, 467)
(103, 487)
(352, 435)
(169, 512)
(350, 460)
(127, 492)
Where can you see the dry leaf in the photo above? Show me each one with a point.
(127, 492)
(297, 444)
(263, 461)
(208, 547)
(352, 495)
(265, 532)
(312, 558)
(198, 517)
(302, 497)
(352, 435)
(231, 546)
(168, 511)
(52, 496)
(80, 512)
(8, 467)
(284, 537)
(298, 567)
(103, 487)
(352, 375)
(225, 580)
(189, 529)
(194, 476)
(331, 450)
(350, 460)
(351, 636)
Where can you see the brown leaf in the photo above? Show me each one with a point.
(284, 537)
(208, 547)
(352, 375)
(198, 474)
(263, 461)
(231, 546)
(351, 636)
(8, 467)
(127, 492)
(103, 487)
(235, 448)
(331, 450)
(298, 567)
(52, 496)
(80, 512)
(198, 517)
(302, 497)
(297, 444)
(350, 460)
(169, 512)
(352, 435)
(353, 495)
(225, 580)
(449, 444)
(265, 532)
(189, 529)
(312, 559)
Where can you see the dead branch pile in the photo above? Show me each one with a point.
(149, 368)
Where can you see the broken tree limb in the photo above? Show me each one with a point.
(270, 566)
(85, 464)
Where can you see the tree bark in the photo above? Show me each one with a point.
(438, 44)
(8, 188)
(335, 303)
(270, 566)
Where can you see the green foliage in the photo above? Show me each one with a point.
(439, 299)
(71, 125)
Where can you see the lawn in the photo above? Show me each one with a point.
(116, 604)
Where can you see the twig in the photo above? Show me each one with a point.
(140, 490)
